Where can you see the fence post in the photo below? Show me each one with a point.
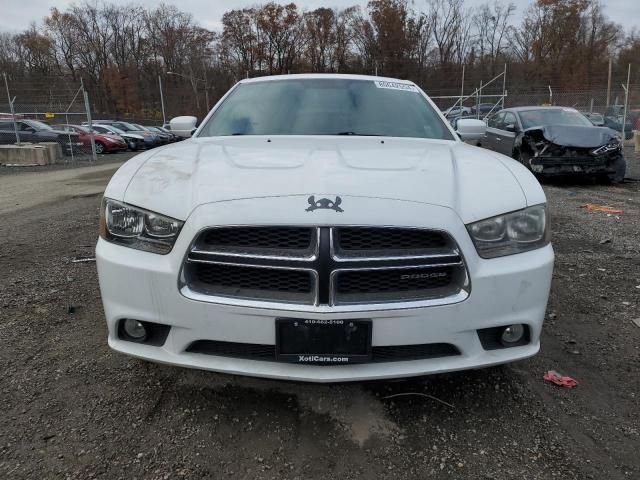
(13, 113)
(164, 118)
(609, 83)
(87, 107)
(461, 90)
(626, 102)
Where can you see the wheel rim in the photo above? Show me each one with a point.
(99, 148)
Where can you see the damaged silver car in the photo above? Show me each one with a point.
(554, 141)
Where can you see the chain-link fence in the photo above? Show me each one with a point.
(34, 106)
(52, 112)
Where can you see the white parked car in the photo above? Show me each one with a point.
(325, 228)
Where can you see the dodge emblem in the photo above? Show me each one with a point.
(324, 203)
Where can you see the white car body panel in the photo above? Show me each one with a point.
(195, 172)
(382, 181)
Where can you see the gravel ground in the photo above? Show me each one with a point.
(73, 409)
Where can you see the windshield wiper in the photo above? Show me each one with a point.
(359, 134)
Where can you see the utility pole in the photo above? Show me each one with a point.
(164, 118)
(13, 113)
(609, 83)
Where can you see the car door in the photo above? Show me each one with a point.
(27, 132)
(7, 134)
(493, 129)
(505, 136)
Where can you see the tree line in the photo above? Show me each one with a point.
(119, 52)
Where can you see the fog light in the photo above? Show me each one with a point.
(512, 334)
(134, 329)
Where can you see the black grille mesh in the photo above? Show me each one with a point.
(252, 278)
(399, 280)
(387, 353)
(297, 238)
(366, 238)
(275, 263)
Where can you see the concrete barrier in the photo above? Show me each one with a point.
(30, 154)
(55, 151)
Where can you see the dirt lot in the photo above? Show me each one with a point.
(71, 408)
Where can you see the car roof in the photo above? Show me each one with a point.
(315, 76)
(526, 109)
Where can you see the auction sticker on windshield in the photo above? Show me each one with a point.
(395, 85)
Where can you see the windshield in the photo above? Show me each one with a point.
(127, 126)
(553, 116)
(112, 129)
(326, 107)
(38, 125)
(82, 129)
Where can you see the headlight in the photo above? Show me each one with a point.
(511, 233)
(137, 228)
(613, 145)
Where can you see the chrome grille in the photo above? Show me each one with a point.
(325, 265)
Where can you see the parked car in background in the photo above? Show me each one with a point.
(104, 142)
(456, 111)
(34, 131)
(163, 138)
(150, 139)
(133, 140)
(596, 119)
(613, 118)
(161, 131)
(556, 141)
(484, 109)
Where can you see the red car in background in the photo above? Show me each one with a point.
(104, 142)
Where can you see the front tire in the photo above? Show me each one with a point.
(619, 166)
(99, 148)
(524, 158)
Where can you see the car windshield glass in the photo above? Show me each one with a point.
(553, 116)
(326, 107)
(82, 129)
(127, 126)
(38, 125)
(114, 130)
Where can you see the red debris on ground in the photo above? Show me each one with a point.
(554, 377)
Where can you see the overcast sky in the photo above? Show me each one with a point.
(16, 16)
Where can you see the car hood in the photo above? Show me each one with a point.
(131, 135)
(576, 135)
(474, 182)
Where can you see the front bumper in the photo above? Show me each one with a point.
(504, 291)
(572, 165)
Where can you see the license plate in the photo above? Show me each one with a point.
(323, 342)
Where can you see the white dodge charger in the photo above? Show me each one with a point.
(325, 228)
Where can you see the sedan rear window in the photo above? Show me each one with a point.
(326, 107)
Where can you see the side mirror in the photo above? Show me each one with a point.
(183, 126)
(471, 129)
(510, 128)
